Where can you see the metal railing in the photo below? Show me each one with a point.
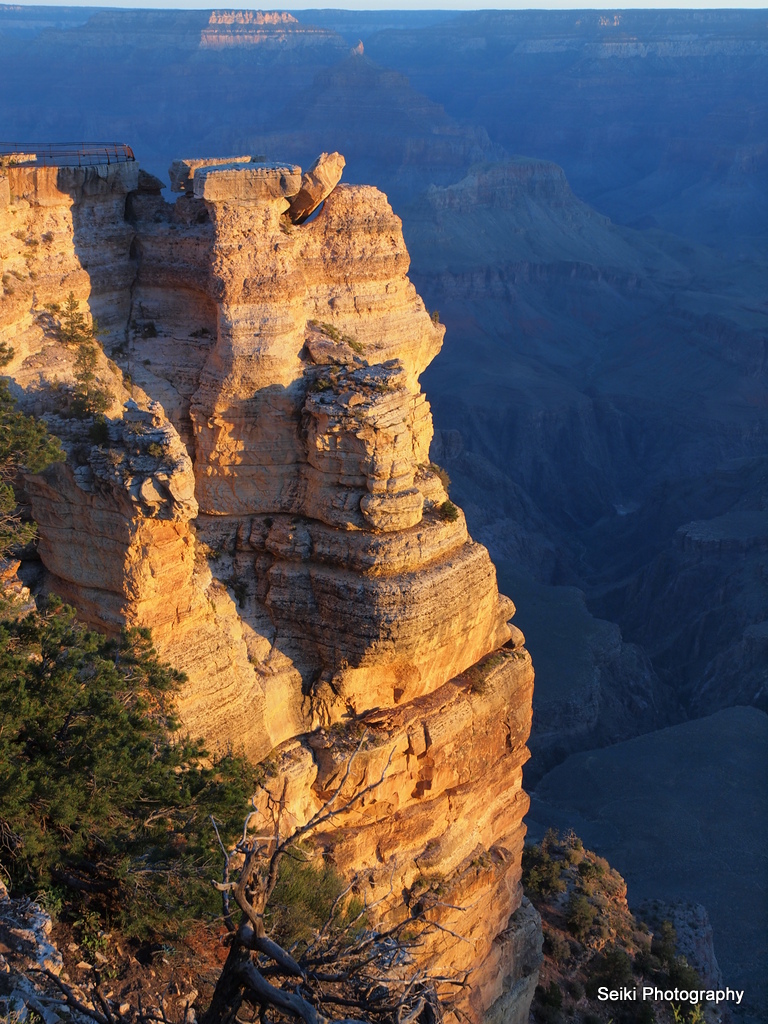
(64, 154)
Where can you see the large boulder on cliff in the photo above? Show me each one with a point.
(316, 185)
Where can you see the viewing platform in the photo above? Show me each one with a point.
(64, 154)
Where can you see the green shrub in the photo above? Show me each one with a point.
(589, 871)
(612, 969)
(557, 947)
(304, 897)
(91, 398)
(646, 964)
(551, 995)
(541, 874)
(664, 943)
(25, 446)
(551, 841)
(448, 511)
(547, 1003)
(682, 975)
(97, 794)
(73, 326)
(573, 847)
(579, 916)
(99, 432)
(354, 344)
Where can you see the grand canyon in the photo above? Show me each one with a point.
(515, 345)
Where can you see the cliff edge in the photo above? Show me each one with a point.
(260, 495)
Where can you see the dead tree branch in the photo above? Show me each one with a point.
(345, 963)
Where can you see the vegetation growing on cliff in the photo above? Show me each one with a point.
(25, 446)
(71, 325)
(328, 961)
(91, 398)
(101, 802)
(592, 939)
(449, 511)
(117, 825)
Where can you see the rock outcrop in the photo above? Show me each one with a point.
(651, 801)
(25, 952)
(265, 503)
(269, 30)
(316, 185)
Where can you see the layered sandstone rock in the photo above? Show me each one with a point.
(266, 505)
(316, 185)
(182, 172)
(63, 229)
(268, 30)
(444, 824)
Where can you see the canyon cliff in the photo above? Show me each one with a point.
(261, 497)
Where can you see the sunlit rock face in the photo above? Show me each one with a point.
(264, 502)
(306, 420)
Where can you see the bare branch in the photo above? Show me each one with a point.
(71, 1000)
(105, 1007)
(369, 972)
(324, 813)
(279, 851)
(262, 944)
(247, 821)
(267, 993)
(414, 1013)
(442, 928)
(225, 883)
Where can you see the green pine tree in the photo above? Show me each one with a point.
(73, 326)
(98, 793)
(91, 398)
(25, 447)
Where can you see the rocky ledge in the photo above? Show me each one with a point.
(265, 503)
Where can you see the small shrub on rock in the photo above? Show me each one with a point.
(557, 947)
(449, 511)
(613, 969)
(664, 943)
(547, 1003)
(99, 432)
(590, 871)
(91, 398)
(541, 874)
(579, 916)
